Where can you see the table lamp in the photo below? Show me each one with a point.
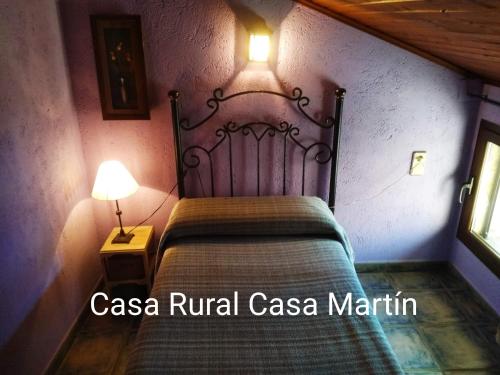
(113, 182)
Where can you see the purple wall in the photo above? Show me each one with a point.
(396, 103)
(479, 276)
(48, 242)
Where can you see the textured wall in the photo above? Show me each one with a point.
(48, 241)
(396, 103)
(483, 280)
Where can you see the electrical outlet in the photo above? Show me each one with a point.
(418, 163)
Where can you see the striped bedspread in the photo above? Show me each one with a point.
(248, 247)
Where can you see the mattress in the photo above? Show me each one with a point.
(274, 249)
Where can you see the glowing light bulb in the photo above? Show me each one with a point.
(259, 48)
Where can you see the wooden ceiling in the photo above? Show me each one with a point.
(463, 35)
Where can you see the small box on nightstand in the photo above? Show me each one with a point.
(128, 263)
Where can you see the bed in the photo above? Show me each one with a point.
(283, 247)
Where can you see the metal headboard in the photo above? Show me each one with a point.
(289, 132)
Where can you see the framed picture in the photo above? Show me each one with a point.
(119, 61)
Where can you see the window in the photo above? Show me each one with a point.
(479, 227)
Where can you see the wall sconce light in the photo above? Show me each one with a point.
(259, 47)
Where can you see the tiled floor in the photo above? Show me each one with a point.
(101, 345)
(453, 332)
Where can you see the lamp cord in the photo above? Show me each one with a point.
(382, 191)
(149, 217)
(156, 210)
(203, 190)
(201, 183)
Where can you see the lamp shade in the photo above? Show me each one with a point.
(113, 182)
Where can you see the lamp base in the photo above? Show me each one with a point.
(122, 238)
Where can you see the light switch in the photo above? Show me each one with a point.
(418, 163)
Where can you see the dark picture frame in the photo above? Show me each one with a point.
(121, 73)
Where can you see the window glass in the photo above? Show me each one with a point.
(479, 227)
(486, 211)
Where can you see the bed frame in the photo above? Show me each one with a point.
(186, 158)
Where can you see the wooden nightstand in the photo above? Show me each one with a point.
(128, 263)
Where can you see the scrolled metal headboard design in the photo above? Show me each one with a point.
(188, 159)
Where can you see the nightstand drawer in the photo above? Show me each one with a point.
(128, 263)
(124, 267)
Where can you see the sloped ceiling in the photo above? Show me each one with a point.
(463, 35)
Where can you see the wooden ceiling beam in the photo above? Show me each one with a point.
(469, 5)
(351, 22)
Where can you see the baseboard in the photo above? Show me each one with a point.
(401, 266)
(416, 266)
(58, 356)
(478, 295)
